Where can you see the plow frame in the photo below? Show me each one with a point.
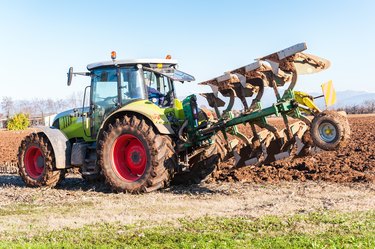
(274, 71)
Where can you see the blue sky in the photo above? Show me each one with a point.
(41, 39)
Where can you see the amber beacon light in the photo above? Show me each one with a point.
(113, 55)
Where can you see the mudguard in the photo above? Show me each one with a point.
(60, 144)
(148, 109)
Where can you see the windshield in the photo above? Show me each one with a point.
(132, 84)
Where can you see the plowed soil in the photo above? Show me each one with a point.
(9, 143)
(354, 163)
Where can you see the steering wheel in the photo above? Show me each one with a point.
(168, 98)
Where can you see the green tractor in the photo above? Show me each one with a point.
(139, 137)
(127, 134)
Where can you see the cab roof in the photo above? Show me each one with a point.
(144, 62)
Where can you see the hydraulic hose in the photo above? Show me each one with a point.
(181, 130)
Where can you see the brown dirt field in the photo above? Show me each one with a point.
(9, 143)
(354, 163)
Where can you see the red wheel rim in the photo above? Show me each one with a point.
(34, 162)
(129, 157)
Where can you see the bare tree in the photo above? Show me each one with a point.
(25, 106)
(7, 105)
(367, 107)
(51, 106)
(75, 100)
(61, 105)
(39, 107)
(370, 106)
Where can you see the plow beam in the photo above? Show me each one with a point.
(273, 70)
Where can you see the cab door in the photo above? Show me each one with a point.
(104, 96)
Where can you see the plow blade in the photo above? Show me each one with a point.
(270, 148)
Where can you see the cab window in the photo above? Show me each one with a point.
(159, 89)
(132, 85)
(104, 90)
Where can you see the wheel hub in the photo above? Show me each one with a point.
(136, 157)
(40, 162)
(327, 132)
(129, 157)
(34, 162)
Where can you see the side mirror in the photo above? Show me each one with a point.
(70, 76)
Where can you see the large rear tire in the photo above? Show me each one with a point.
(134, 157)
(36, 162)
(204, 163)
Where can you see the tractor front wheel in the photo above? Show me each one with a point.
(134, 158)
(36, 162)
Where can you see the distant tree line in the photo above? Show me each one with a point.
(365, 108)
(38, 107)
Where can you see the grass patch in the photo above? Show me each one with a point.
(34, 209)
(314, 230)
(18, 209)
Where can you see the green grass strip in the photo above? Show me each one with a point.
(314, 230)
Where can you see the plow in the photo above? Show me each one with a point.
(139, 137)
(316, 130)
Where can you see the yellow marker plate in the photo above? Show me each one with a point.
(329, 93)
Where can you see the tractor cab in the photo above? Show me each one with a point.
(117, 83)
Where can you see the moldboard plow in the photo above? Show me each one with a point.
(316, 130)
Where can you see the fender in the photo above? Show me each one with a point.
(148, 109)
(60, 145)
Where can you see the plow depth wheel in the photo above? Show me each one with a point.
(36, 162)
(330, 130)
(134, 157)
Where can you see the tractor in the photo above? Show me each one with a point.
(139, 137)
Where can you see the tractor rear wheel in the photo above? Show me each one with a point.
(134, 157)
(330, 130)
(36, 162)
(203, 163)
